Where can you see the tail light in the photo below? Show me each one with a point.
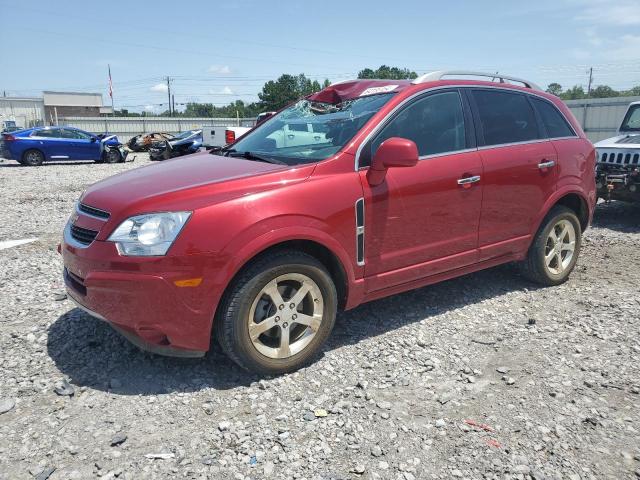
(229, 136)
(8, 138)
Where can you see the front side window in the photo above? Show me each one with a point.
(75, 134)
(435, 123)
(308, 132)
(554, 123)
(505, 117)
(631, 122)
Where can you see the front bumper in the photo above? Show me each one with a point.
(138, 298)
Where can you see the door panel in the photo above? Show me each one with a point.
(515, 190)
(420, 221)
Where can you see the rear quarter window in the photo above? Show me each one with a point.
(553, 121)
(505, 117)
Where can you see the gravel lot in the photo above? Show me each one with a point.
(486, 376)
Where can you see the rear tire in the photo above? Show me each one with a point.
(32, 158)
(555, 248)
(281, 290)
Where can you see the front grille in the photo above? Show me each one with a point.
(83, 235)
(95, 212)
(616, 157)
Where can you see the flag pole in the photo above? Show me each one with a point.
(113, 110)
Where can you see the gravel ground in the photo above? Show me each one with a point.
(486, 376)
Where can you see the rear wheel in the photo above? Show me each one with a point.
(555, 249)
(32, 158)
(277, 313)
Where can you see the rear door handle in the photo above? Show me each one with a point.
(546, 164)
(468, 180)
(291, 135)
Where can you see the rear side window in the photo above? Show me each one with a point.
(435, 123)
(49, 133)
(554, 123)
(505, 117)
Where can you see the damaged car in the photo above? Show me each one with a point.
(142, 142)
(182, 144)
(33, 146)
(618, 167)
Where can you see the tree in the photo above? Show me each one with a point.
(574, 93)
(604, 91)
(326, 83)
(554, 89)
(286, 89)
(385, 72)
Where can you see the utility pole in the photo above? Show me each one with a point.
(169, 95)
(173, 103)
(590, 82)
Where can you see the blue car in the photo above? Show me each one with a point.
(36, 145)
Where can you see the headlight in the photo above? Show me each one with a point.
(148, 235)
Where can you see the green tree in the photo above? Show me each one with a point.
(326, 83)
(604, 91)
(287, 88)
(386, 72)
(554, 89)
(574, 93)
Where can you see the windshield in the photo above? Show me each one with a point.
(631, 120)
(309, 131)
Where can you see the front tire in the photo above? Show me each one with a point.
(555, 248)
(112, 156)
(278, 313)
(32, 158)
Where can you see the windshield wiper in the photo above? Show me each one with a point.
(252, 156)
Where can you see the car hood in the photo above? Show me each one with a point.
(188, 183)
(625, 141)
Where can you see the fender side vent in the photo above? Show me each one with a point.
(360, 231)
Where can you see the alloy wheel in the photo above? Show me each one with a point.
(285, 316)
(560, 247)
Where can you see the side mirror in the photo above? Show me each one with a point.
(393, 152)
(93, 139)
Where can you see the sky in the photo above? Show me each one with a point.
(220, 51)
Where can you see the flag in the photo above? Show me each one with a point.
(110, 82)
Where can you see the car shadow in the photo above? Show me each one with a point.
(14, 163)
(91, 354)
(618, 216)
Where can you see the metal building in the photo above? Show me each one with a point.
(72, 104)
(25, 111)
(600, 117)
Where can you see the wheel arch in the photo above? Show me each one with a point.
(570, 198)
(332, 261)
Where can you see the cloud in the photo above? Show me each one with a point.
(625, 48)
(604, 12)
(160, 87)
(220, 69)
(223, 91)
(149, 108)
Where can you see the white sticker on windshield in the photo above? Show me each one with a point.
(374, 90)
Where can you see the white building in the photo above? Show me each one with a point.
(25, 111)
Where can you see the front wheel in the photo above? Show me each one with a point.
(112, 156)
(555, 249)
(277, 313)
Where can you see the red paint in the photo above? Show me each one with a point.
(421, 226)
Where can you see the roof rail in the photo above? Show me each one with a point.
(434, 76)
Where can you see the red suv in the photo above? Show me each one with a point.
(362, 190)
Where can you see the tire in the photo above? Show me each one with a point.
(112, 155)
(549, 265)
(247, 300)
(32, 158)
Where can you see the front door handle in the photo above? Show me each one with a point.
(468, 180)
(546, 164)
